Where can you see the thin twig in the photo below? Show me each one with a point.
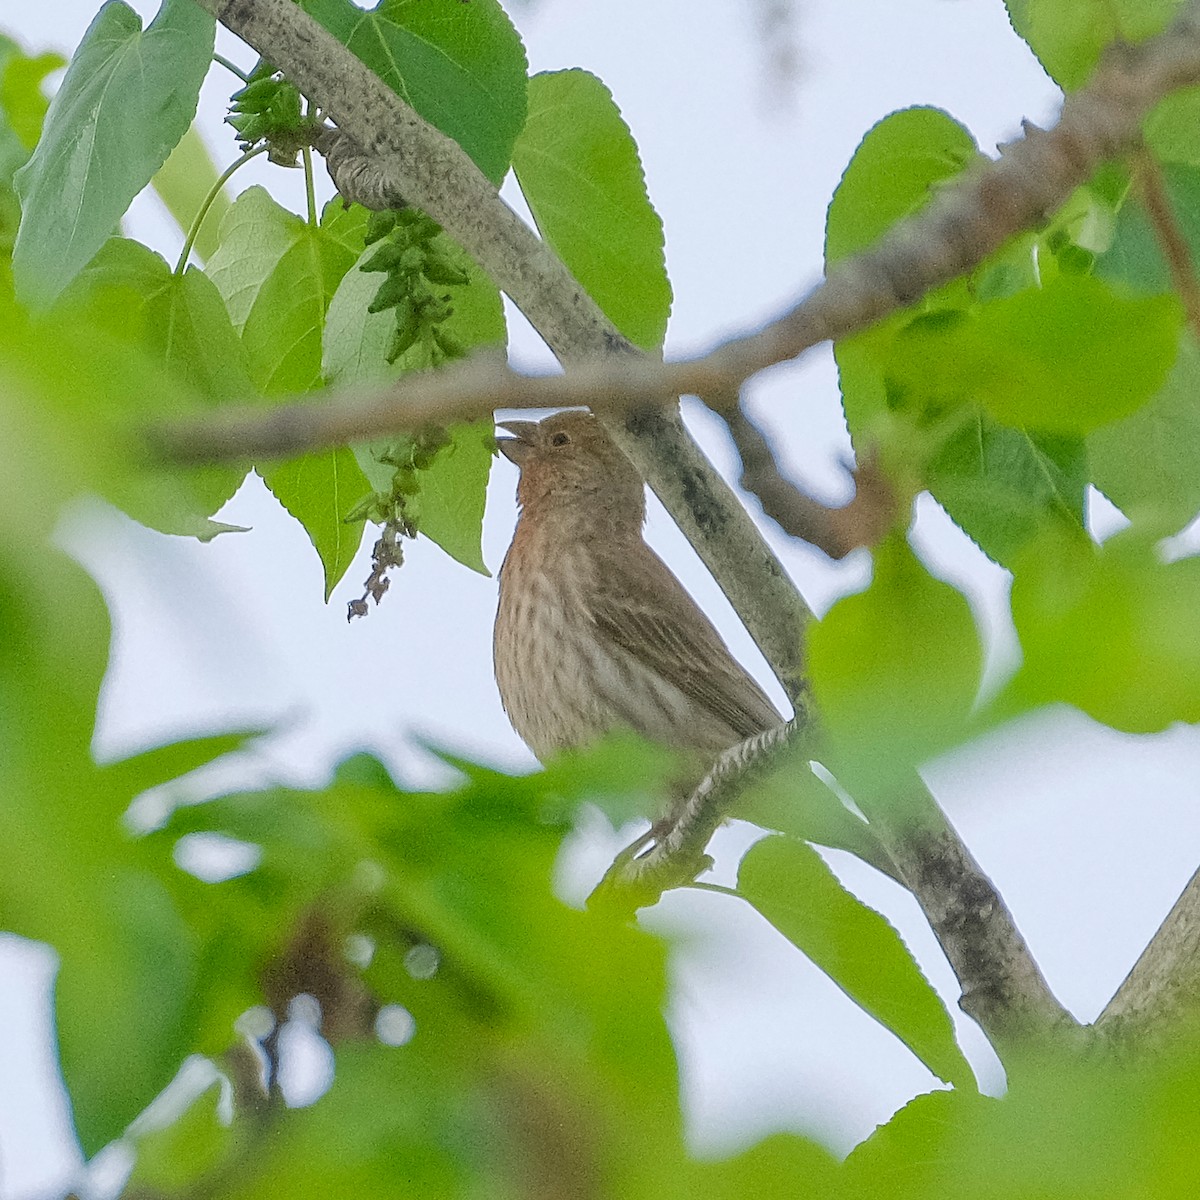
(1153, 193)
(639, 875)
(862, 521)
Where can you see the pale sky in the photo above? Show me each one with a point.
(1089, 835)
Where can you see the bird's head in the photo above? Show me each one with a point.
(570, 465)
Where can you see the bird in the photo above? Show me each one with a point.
(593, 632)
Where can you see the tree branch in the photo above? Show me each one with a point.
(1002, 987)
(1161, 994)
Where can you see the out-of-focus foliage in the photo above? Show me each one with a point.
(487, 1038)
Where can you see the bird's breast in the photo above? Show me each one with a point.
(565, 683)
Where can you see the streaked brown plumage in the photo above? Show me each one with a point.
(593, 632)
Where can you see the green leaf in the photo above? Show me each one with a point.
(382, 1130)
(461, 66)
(109, 341)
(321, 490)
(524, 1035)
(781, 1165)
(179, 322)
(127, 99)
(356, 341)
(255, 234)
(1069, 1125)
(894, 172)
(1068, 36)
(23, 104)
(22, 110)
(169, 1158)
(1146, 464)
(284, 326)
(183, 182)
(794, 800)
(66, 869)
(1064, 359)
(907, 1157)
(278, 276)
(1134, 258)
(787, 882)
(580, 173)
(159, 765)
(895, 669)
(453, 491)
(1111, 629)
(1002, 485)
(1172, 130)
(122, 1002)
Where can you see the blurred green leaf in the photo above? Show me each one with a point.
(161, 764)
(789, 884)
(780, 1165)
(895, 669)
(910, 1157)
(538, 1047)
(374, 1133)
(1062, 359)
(123, 998)
(1081, 1126)
(170, 1157)
(180, 323)
(22, 110)
(23, 103)
(88, 437)
(461, 66)
(1111, 629)
(1068, 36)
(580, 173)
(1146, 464)
(127, 99)
(1172, 130)
(792, 799)
(67, 869)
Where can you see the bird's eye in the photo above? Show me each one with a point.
(560, 439)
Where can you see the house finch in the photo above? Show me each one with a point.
(593, 632)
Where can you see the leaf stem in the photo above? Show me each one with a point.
(309, 190)
(718, 888)
(206, 204)
(222, 61)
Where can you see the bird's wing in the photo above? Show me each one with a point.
(645, 610)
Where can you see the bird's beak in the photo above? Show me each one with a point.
(515, 448)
